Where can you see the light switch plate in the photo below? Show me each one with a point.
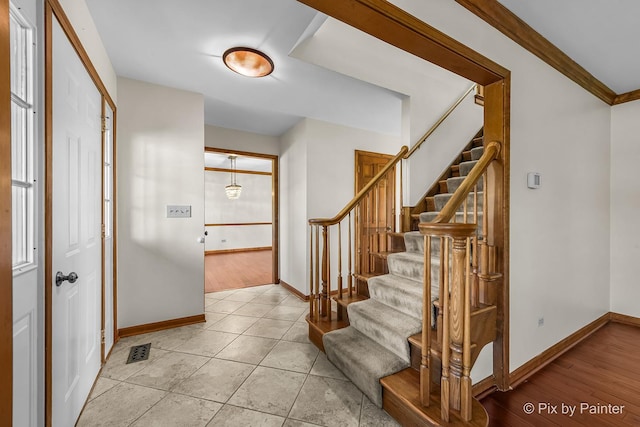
(178, 211)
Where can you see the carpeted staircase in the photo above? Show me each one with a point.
(375, 344)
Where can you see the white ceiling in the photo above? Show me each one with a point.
(179, 44)
(600, 35)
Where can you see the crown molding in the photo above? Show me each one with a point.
(505, 21)
(627, 97)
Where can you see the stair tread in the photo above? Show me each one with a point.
(401, 398)
(384, 324)
(348, 299)
(364, 372)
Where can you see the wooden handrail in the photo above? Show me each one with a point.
(358, 197)
(439, 122)
(491, 152)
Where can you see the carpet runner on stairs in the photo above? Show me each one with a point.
(375, 344)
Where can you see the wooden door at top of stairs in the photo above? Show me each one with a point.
(375, 215)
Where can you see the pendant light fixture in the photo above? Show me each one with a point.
(248, 62)
(233, 190)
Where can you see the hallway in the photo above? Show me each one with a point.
(250, 364)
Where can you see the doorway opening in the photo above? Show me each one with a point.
(241, 219)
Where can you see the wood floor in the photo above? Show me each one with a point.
(237, 270)
(599, 380)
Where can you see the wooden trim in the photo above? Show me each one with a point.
(505, 21)
(208, 169)
(275, 202)
(238, 224)
(627, 97)
(552, 353)
(395, 26)
(294, 291)
(160, 326)
(6, 255)
(48, 221)
(114, 223)
(231, 251)
(275, 217)
(240, 153)
(624, 319)
(485, 387)
(58, 11)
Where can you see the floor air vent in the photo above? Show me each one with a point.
(138, 353)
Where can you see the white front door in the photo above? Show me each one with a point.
(76, 219)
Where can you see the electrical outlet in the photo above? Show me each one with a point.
(178, 211)
(540, 321)
(223, 240)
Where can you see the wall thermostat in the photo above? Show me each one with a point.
(533, 180)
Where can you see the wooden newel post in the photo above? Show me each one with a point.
(455, 304)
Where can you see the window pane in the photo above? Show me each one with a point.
(18, 59)
(19, 226)
(18, 143)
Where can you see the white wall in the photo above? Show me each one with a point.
(294, 262)
(317, 181)
(160, 162)
(428, 163)
(559, 233)
(254, 205)
(625, 205)
(218, 137)
(82, 22)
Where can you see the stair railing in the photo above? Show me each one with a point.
(320, 257)
(464, 284)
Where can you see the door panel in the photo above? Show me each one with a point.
(375, 215)
(76, 243)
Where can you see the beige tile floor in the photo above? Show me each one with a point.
(250, 364)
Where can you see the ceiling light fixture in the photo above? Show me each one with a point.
(233, 190)
(248, 62)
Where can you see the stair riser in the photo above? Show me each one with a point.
(465, 167)
(365, 322)
(415, 242)
(414, 270)
(454, 183)
(442, 199)
(405, 302)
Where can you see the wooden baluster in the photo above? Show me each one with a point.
(444, 309)
(465, 210)
(484, 248)
(340, 260)
(475, 298)
(465, 385)
(376, 223)
(311, 266)
(327, 260)
(318, 296)
(425, 365)
(350, 278)
(441, 289)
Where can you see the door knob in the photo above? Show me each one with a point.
(72, 277)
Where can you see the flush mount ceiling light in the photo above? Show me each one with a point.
(248, 62)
